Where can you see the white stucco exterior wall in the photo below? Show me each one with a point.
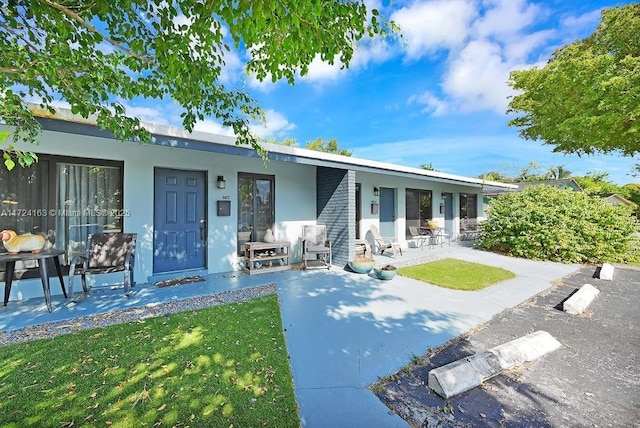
(400, 185)
(295, 189)
(295, 198)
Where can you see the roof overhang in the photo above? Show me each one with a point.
(163, 135)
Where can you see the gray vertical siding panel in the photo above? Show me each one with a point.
(335, 198)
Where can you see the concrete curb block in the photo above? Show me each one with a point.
(580, 300)
(606, 272)
(467, 373)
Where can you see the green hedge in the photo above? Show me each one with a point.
(544, 223)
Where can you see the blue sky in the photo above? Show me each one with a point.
(437, 96)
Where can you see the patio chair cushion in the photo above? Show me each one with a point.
(317, 249)
(109, 250)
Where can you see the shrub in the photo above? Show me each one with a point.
(545, 223)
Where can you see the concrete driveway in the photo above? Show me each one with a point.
(344, 330)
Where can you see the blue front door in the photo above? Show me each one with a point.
(387, 212)
(179, 238)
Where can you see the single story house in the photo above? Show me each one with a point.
(194, 199)
(615, 199)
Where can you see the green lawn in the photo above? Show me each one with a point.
(457, 274)
(219, 367)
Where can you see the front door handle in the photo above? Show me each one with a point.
(203, 229)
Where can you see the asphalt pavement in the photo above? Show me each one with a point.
(592, 381)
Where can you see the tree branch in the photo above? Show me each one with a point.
(10, 70)
(74, 16)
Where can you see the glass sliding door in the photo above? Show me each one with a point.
(468, 211)
(418, 208)
(256, 207)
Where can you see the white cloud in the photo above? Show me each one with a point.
(433, 105)
(433, 25)
(276, 125)
(369, 51)
(233, 67)
(505, 18)
(521, 48)
(586, 22)
(212, 127)
(147, 114)
(477, 77)
(320, 71)
(484, 40)
(265, 86)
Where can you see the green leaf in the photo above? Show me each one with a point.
(9, 163)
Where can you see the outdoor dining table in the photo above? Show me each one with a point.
(436, 234)
(41, 258)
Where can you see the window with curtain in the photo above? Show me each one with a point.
(25, 202)
(256, 207)
(25, 198)
(419, 208)
(64, 198)
(89, 200)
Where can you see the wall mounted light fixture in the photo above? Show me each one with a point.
(376, 191)
(221, 182)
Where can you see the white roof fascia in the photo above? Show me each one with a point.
(174, 136)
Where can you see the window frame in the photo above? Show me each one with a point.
(52, 188)
(419, 193)
(254, 207)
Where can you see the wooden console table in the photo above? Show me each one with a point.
(263, 257)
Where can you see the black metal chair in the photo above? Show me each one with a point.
(105, 253)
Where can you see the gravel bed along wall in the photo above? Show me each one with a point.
(52, 329)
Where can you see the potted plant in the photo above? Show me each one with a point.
(362, 264)
(386, 272)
